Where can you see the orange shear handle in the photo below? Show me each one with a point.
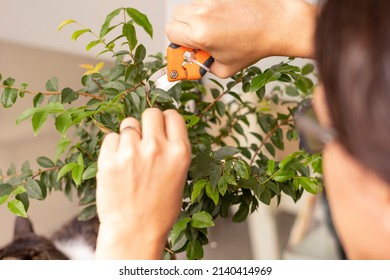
(178, 69)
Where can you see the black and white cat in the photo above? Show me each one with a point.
(76, 240)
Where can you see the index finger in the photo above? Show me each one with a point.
(175, 128)
(178, 33)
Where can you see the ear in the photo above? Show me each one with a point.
(23, 226)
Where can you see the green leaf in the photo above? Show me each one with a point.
(63, 122)
(230, 179)
(54, 107)
(284, 176)
(34, 189)
(38, 119)
(292, 91)
(273, 186)
(80, 160)
(225, 151)
(220, 106)
(11, 170)
(272, 75)
(9, 82)
(23, 197)
(277, 139)
(178, 228)
(307, 69)
(140, 53)
(238, 128)
(5, 189)
(3, 199)
(68, 95)
(87, 213)
(198, 187)
(212, 193)
(270, 148)
(52, 84)
(194, 250)
(266, 196)
(77, 174)
(106, 25)
(45, 162)
(309, 185)
(26, 114)
(222, 185)
(61, 146)
(191, 120)
(241, 214)
(9, 97)
(242, 169)
(17, 208)
(38, 99)
(65, 22)
(258, 82)
(141, 19)
(18, 190)
(181, 241)
(270, 167)
(65, 169)
(54, 99)
(289, 158)
(215, 175)
(92, 44)
(78, 33)
(90, 172)
(130, 34)
(202, 220)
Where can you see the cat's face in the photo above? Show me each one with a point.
(29, 246)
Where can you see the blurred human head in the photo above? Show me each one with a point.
(353, 55)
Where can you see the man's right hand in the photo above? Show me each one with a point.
(239, 33)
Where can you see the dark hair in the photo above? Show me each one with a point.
(353, 56)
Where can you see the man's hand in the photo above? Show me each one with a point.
(239, 33)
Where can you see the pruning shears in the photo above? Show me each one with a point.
(182, 64)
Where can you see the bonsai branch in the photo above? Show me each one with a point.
(268, 136)
(33, 176)
(54, 93)
(236, 82)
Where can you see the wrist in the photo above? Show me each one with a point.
(129, 242)
(295, 36)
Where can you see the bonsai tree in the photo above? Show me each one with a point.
(244, 173)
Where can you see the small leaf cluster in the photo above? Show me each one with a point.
(234, 164)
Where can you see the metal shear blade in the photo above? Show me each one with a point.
(160, 80)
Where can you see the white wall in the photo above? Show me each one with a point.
(35, 22)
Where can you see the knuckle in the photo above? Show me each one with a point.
(152, 148)
(181, 150)
(125, 156)
(106, 166)
(199, 36)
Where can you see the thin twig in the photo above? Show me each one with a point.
(267, 136)
(33, 175)
(239, 79)
(54, 93)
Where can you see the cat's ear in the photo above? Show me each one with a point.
(23, 226)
